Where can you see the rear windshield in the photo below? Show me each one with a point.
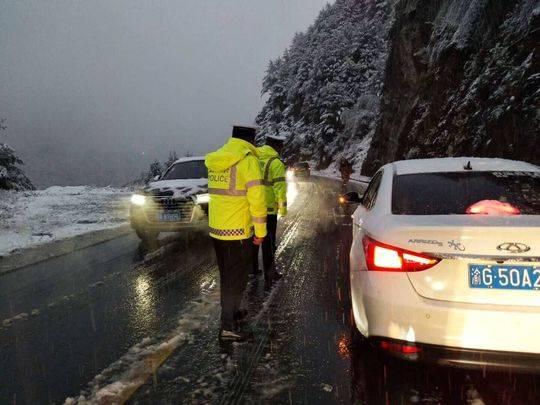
(187, 170)
(495, 193)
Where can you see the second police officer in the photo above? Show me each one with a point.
(274, 180)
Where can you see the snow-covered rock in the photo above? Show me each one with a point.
(463, 78)
(409, 79)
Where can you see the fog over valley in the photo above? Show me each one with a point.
(94, 91)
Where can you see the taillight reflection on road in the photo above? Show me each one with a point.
(343, 345)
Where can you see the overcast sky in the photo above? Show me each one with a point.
(93, 90)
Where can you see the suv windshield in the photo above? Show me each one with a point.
(194, 169)
(301, 165)
(505, 193)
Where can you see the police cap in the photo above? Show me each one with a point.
(247, 133)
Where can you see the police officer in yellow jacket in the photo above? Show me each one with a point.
(273, 170)
(237, 219)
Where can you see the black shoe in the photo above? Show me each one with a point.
(277, 276)
(240, 315)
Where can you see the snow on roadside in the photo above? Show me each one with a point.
(116, 383)
(32, 218)
(333, 173)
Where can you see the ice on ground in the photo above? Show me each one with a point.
(31, 218)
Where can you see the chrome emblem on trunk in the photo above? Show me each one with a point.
(513, 247)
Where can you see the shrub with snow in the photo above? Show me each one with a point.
(11, 176)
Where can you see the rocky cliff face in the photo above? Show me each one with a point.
(410, 79)
(462, 78)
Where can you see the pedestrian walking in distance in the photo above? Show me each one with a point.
(275, 184)
(237, 219)
(346, 170)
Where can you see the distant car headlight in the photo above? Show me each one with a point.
(138, 199)
(203, 198)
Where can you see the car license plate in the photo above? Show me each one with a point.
(504, 277)
(169, 217)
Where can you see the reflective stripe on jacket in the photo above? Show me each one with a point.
(274, 180)
(237, 206)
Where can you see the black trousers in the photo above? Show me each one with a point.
(269, 247)
(234, 258)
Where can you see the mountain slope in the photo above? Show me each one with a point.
(324, 91)
(462, 79)
(409, 79)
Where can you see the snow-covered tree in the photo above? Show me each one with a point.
(173, 157)
(317, 90)
(156, 169)
(11, 176)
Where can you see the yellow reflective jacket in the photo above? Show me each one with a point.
(273, 170)
(237, 204)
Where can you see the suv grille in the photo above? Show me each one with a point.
(168, 204)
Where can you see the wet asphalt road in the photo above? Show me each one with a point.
(93, 314)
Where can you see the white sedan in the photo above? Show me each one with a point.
(445, 261)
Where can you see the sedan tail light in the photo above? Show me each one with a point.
(383, 257)
(403, 348)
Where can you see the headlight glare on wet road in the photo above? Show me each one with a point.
(138, 199)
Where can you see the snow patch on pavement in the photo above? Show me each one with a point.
(116, 383)
(33, 218)
(23, 316)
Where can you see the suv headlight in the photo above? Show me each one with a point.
(290, 174)
(203, 198)
(138, 199)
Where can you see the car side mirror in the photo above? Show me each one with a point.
(351, 197)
